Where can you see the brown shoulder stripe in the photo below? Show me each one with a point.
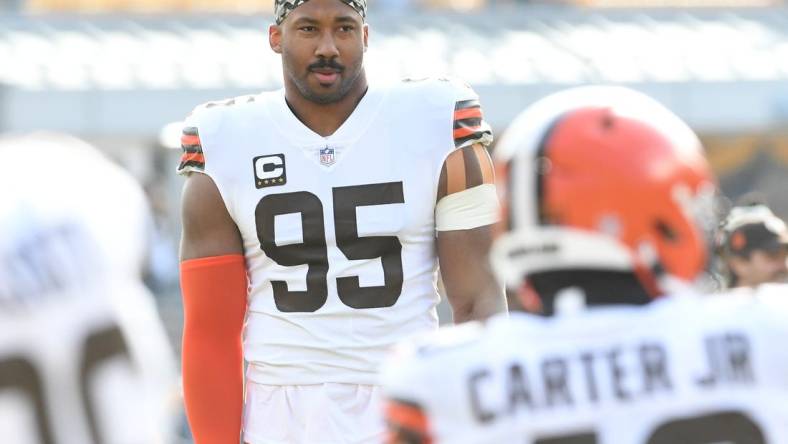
(473, 169)
(190, 131)
(192, 150)
(469, 123)
(455, 173)
(191, 143)
(461, 104)
(486, 163)
(465, 168)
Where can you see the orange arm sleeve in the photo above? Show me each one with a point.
(214, 305)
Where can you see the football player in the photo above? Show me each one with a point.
(310, 213)
(754, 246)
(83, 356)
(608, 201)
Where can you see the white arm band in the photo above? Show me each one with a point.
(467, 209)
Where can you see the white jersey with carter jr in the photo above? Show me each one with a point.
(338, 231)
(685, 369)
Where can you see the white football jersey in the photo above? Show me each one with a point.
(83, 355)
(684, 370)
(338, 231)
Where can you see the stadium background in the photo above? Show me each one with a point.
(121, 74)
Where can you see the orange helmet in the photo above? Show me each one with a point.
(603, 178)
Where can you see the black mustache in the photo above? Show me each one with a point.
(326, 63)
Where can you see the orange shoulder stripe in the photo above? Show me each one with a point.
(466, 131)
(192, 157)
(468, 113)
(408, 417)
(190, 139)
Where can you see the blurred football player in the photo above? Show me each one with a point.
(754, 246)
(310, 213)
(83, 356)
(609, 202)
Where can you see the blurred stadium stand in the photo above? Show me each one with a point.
(129, 74)
(117, 79)
(108, 75)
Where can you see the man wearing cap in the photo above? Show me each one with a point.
(314, 219)
(754, 247)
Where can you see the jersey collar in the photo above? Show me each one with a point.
(350, 130)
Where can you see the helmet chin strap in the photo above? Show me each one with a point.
(649, 269)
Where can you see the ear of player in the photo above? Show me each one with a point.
(603, 178)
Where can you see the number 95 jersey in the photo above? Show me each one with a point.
(338, 231)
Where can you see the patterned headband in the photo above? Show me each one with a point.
(283, 7)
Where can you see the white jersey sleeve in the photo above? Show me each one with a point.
(467, 122)
(200, 131)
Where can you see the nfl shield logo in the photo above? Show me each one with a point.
(327, 156)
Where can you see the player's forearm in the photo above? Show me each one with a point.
(213, 388)
(214, 296)
(471, 287)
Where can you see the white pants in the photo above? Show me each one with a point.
(313, 414)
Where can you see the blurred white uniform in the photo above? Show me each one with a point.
(684, 369)
(83, 355)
